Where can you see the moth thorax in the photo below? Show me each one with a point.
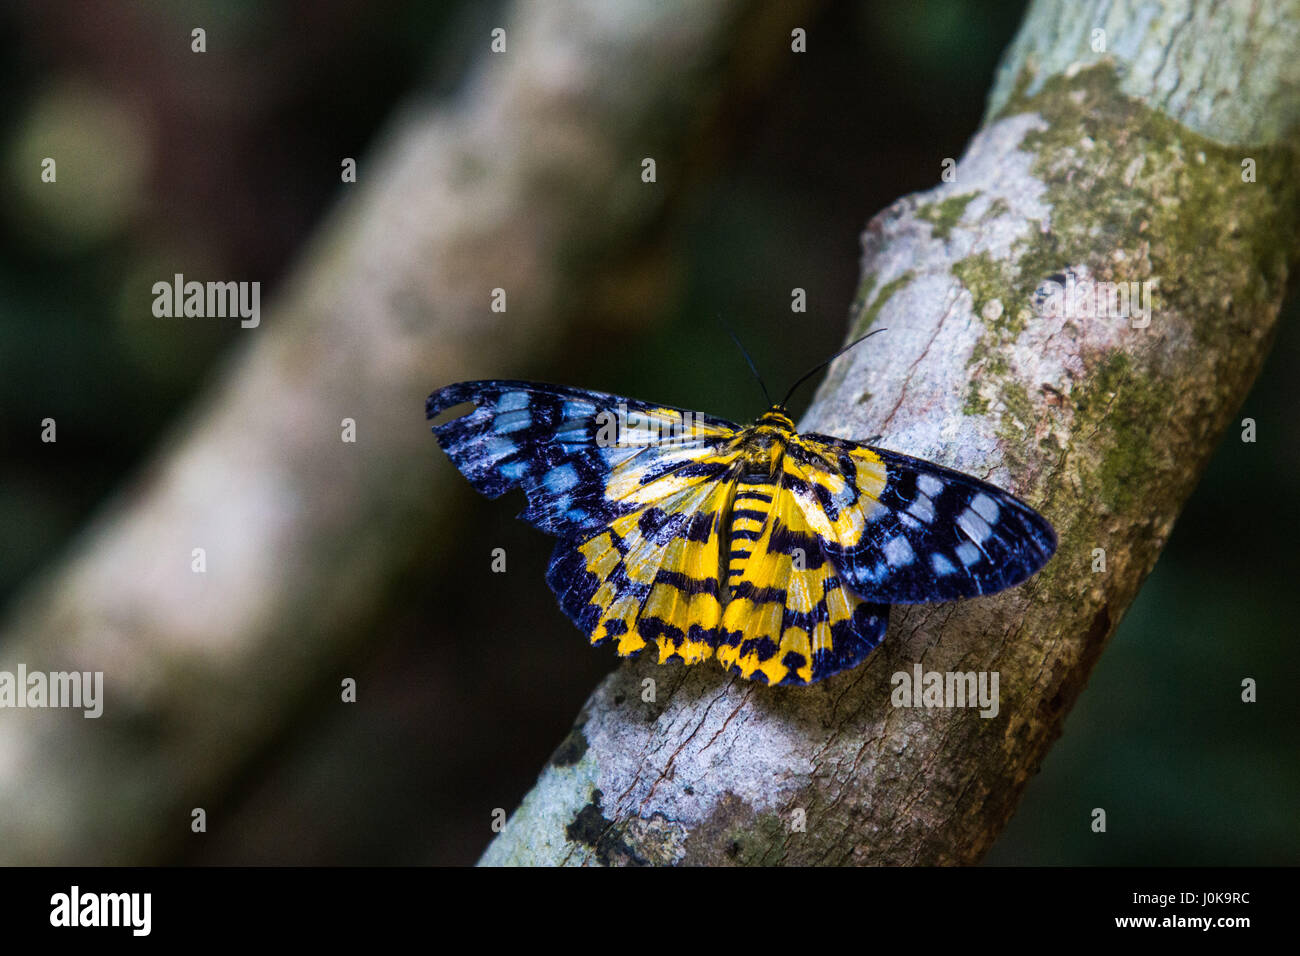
(761, 459)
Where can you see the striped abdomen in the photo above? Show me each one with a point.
(749, 513)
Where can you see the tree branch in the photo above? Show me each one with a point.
(1124, 166)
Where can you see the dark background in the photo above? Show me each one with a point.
(222, 165)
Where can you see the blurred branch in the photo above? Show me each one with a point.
(1129, 166)
(528, 183)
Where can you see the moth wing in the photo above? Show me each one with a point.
(553, 442)
(651, 577)
(905, 531)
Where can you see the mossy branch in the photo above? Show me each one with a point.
(1148, 165)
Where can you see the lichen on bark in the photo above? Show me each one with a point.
(945, 214)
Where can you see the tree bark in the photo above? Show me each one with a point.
(529, 182)
(1126, 164)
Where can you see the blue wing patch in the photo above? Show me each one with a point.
(938, 535)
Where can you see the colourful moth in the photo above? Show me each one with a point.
(775, 552)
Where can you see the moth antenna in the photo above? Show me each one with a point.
(817, 368)
(743, 351)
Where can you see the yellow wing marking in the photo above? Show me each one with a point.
(696, 615)
(852, 496)
(664, 585)
(627, 481)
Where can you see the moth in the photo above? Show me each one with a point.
(774, 552)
